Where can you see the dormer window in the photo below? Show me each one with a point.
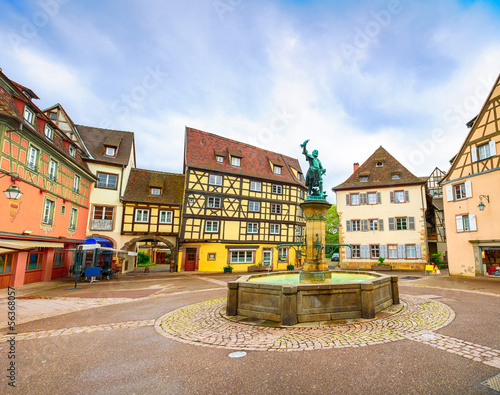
(363, 179)
(235, 161)
(53, 115)
(219, 159)
(72, 151)
(29, 115)
(277, 170)
(396, 176)
(110, 151)
(49, 132)
(379, 164)
(155, 191)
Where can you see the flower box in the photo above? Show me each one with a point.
(381, 267)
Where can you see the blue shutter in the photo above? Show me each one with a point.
(392, 225)
(419, 253)
(364, 225)
(379, 198)
(348, 252)
(381, 224)
(401, 251)
(348, 226)
(383, 251)
(407, 196)
(411, 223)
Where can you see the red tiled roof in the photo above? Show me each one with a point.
(379, 175)
(140, 181)
(201, 148)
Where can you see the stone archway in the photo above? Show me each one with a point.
(172, 247)
(99, 236)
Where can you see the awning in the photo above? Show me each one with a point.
(23, 245)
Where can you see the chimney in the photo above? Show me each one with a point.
(356, 166)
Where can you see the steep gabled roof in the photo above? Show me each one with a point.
(484, 125)
(379, 169)
(141, 181)
(95, 140)
(201, 148)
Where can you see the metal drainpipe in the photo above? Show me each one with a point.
(425, 222)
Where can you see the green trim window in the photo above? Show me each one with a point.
(76, 184)
(29, 115)
(282, 254)
(33, 158)
(73, 218)
(48, 212)
(52, 170)
(49, 132)
(6, 263)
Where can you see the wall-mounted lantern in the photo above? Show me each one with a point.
(12, 192)
(481, 205)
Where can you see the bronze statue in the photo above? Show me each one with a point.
(314, 177)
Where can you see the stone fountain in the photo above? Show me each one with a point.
(315, 296)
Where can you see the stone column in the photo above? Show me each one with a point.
(289, 305)
(232, 298)
(315, 213)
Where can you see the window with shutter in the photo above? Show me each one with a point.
(407, 196)
(411, 223)
(460, 226)
(362, 198)
(449, 193)
(364, 225)
(392, 223)
(348, 252)
(401, 251)
(379, 198)
(419, 252)
(383, 251)
(380, 224)
(347, 200)
(392, 197)
(472, 222)
(473, 152)
(348, 226)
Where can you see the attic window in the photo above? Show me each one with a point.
(277, 170)
(72, 151)
(155, 191)
(299, 176)
(29, 115)
(363, 179)
(379, 164)
(396, 176)
(219, 159)
(235, 161)
(49, 132)
(53, 115)
(110, 151)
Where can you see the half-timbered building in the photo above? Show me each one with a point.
(381, 209)
(40, 227)
(436, 229)
(472, 195)
(240, 203)
(152, 214)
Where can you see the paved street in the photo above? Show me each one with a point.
(166, 333)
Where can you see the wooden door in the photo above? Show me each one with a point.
(190, 259)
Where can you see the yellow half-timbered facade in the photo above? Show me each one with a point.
(240, 203)
(472, 195)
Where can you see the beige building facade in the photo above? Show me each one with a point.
(472, 196)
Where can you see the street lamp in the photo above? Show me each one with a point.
(481, 205)
(12, 192)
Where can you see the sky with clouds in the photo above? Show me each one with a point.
(348, 75)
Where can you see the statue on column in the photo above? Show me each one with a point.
(314, 177)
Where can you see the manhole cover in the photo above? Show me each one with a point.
(410, 278)
(493, 383)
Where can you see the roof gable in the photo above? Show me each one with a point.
(380, 169)
(201, 149)
(141, 181)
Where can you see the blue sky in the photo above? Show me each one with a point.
(348, 75)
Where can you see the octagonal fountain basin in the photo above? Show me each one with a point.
(283, 298)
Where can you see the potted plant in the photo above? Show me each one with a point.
(381, 265)
(259, 267)
(228, 268)
(290, 267)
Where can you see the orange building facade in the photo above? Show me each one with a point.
(40, 228)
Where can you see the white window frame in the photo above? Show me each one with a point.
(256, 186)
(76, 184)
(373, 223)
(369, 195)
(275, 229)
(277, 170)
(254, 206)
(33, 158)
(282, 254)
(242, 256)
(29, 115)
(277, 189)
(141, 215)
(104, 209)
(235, 161)
(155, 191)
(356, 228)
(354, 199)
(219, 159)
(110, 151)
(399, 196)
(107, 181)
(215, 179)
(52, 170)
(211, 226)
(72, 151)
(356, 251)
(214, 202)
(73, 218)
(392, 249)
(165, 217)
(49, 132)
(374, 251)
(252, 228)
(411, 253)
(400, 220)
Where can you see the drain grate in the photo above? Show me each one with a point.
(410, 278)
(493, 383)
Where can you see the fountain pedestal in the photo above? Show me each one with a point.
(315, 266)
